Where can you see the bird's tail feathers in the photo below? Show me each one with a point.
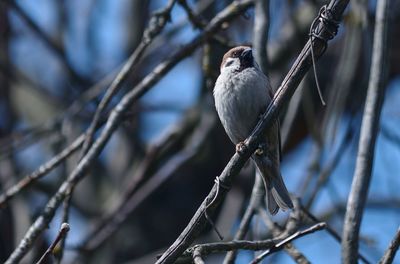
(280, 193)
(277, 196)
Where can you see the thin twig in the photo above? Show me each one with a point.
(281, 98)
(280, 245)
(61, 234)
(65, 219)
(390, 253)
(369, 130)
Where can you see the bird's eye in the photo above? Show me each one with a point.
(229, 63)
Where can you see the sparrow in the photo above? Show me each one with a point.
(242, 93)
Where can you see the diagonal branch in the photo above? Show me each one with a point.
(64, 229)
(281, 98)
(41, 171)
(115, 118)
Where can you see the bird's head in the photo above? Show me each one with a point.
(238, 59)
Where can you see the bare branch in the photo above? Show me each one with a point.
(273, 245)
(281, 98)
(260, 33)
(369, 129)
(115, 119)
(280, 245)
(390, 253)
(65, 220)
(206, 249)
(157, 23)
(61, 234)
(41, 171)
(131, 202)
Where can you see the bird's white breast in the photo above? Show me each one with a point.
(240, 97)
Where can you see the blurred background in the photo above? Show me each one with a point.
(57, 58)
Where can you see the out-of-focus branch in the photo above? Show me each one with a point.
(157, 23)
(20, 140)
(196, 21)
(115, 118)
(257, 195)
(390, 134)
(260, 33)
(346, 70)
(293, 31)
(56, 48)
(281, 98)
(330, 230)
(390, 253)
(200, 24)
(139, 189)
(369, 130)
(330, 166)
(41, 171)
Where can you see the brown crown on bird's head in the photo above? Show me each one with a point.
(244, 53)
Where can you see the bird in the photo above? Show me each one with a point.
(242, 93)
